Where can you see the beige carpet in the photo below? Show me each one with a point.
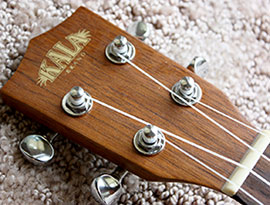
(234, 36)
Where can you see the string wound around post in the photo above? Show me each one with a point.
(120, 46)
(77, 102)
(149, 140)
(187, 90)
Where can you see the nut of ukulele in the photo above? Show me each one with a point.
(120, 45)
(37, 149)
(77, 102)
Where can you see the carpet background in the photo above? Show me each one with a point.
(234, 36)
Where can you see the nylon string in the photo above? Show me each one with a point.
(184, 152)
(195, 108)
(186, 141)
(231, 118)
(215, 172)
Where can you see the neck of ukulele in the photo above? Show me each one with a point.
(256, 187)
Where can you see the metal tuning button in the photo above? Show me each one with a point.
(107, 188)
(139, 29)
(199, 66)
(149, 140)
(77, 102)
(120, 45)
(37, 149)
(188, 91)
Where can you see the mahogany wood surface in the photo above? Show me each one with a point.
(110, 134)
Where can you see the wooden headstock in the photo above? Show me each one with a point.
(72, 54)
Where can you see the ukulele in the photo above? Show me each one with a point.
(201, 142)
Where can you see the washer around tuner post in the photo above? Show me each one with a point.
(77, 102)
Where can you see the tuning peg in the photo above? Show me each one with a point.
(77, 102)
(106, 188)
(188, 90)
(120, 46)
(199, 66)
(37, 148)
(149, 140)
(139, 29)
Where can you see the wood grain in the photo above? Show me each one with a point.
(110, 134)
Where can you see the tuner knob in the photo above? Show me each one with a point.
(107, 188)
(149, 140)
(139, 29)
(188, 91)
(77, 102)
(120, 46)
(199, 66)
(37, 149)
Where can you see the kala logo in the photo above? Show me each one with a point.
(61, 56)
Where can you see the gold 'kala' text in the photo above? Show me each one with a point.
(61, 56)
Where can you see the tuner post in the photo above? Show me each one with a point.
(149, 140)
(187, 86)
(77, 102)
(188, 91)
(120, 46)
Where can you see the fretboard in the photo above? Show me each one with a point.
(256, 187)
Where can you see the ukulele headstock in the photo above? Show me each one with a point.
(73, 54)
